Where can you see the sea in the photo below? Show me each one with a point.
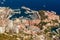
(50, 5)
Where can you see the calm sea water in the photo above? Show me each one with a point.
(53, 5)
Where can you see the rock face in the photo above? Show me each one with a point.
(2, 29)
(37, 25)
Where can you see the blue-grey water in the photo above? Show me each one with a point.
(53, 5)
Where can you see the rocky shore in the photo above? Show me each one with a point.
(38, 25)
